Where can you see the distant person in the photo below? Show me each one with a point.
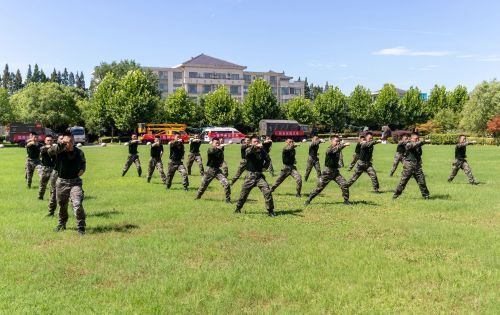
(47, 166)
(194, 154)
(176, 164)
(33, 159)
(53, 179)
(313, 159)
(412, 167)
(289, 168)
(243, 163)
(331, 171)
(267, 144)
(365, 162)
(460, 160)
(72, 165)
(215, 159)
(155, 161)
(355, 156)
(257, 160)
(133, 156)
(399, 156)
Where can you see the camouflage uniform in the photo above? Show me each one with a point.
(214, 162)
(355, 156)
(194, 155)
(175, 164)
(365, 165)
(412, 167)
(313, 160)
(133, 157)
(330, 173)
(289, 169)
(243, 164)
(266, 145)
(257, 160)
(155, 161)
(399, 156)
(461, 163)
(32, 162)
(341, 160)
(69, 184)
(46, 171)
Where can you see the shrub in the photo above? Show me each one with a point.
(452, 138)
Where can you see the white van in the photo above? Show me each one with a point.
(78, 133)
(227, 133)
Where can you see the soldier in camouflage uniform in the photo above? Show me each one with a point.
(461, 162)
(33, 159)
(243, 163)
(175, 164)
(155, 161)
(400, 152)
(257, 161)
(412, 166)
(194, 154)
(355, 156)
(365, 162)
(72, 166)
(267, 144)
(313, 160)
(47, 167)
(53, 180)
(331, 171)
(289, 168)
(215, 156)
(224, 167)
(133, 156)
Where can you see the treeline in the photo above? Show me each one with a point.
(122, 94)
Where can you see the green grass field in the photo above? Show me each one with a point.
(148, 250)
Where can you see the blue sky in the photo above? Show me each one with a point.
(343, 42)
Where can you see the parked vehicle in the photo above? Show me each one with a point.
(280, 130)
(227, 133)
(19, 132)
(148, 132)
(78, 134)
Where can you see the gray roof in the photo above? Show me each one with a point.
(204, 60)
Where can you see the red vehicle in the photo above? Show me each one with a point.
(280, 130)
(227, 133)
(19, 133)
(148, 132)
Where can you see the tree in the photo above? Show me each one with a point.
(360, 107)
(446, 119)
(260, 103)
(457, 98)
(49, 103)
(437, 99)
(80, 83)
(413, 110)
(6, 77)
(97, 111)
(43, 77)
(65, 77)
(59, 77)
(7, 114)
(315, 91)
(179, 108)
(36, 74)
(29, 75)
(71, 79)
(386, 106)
(119, 69)
(18, 81)
(220, 107)
(493, 126)
(300, 109)
(53, 76)
(307, 90)
(483, 104)
(331, 109)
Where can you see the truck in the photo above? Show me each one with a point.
(226, 133)
(18, 133)
(78, 133)
(280, 130)
(148, 132)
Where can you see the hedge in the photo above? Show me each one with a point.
(450, 138)
(115, 139)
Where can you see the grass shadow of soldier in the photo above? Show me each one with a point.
(121, 228)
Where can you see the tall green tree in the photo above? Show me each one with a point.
(437, 99)
(457, 98)
(360, 107)
(59, 77)
(300, 109)
(483, 105)
(178, 107)
(7, 113)
(65, 77)
(331, 109)
(220, 108)
(119, 69)
(36, 74)
(386, 106)
(97, 112)
(307, 90)
(53, 76)
(71, 79)
(18, 81)
(29, 76)
(6, 77)
(412, 108)
(43, 77)
(260, 103)
(80, 81)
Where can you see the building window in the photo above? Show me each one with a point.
(163, 87)
(274, 90)
(177, 75)
(220, 76)
(207, 88)
(193, 74)
(161, 74)
(192, 89)
(234, 89)
(245, 89)
(208, 75)
(272, 79)
(292, 91)
(247, 78)
(235, 76)
(298, 91)
(284, 91)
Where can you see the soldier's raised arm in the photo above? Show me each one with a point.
(56, 148)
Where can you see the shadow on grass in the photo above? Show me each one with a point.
(285, 194)
(89, 197)
(122, 228)
(296, 212)
(357, 202)
(104, 214)
(440, 197)
(182, 188)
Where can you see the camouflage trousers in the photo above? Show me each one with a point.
(241, 168)
(341, 159)
(209, 175)
(66, 190)
(225, 169)
(45, 177)
(412, 169)
(30, 167)
(398, 158)
(288, 170)
(191, 159)
(53, 195)
(179, 167)
(464, 165)
(327, 176)
(251, 180)
(158, 164)
(312, 161)
(355, 158)
(132, 158)
(367, 168)
(270, 169)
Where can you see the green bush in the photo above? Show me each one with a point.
(452, 138)
(115, 139)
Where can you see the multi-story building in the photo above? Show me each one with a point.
(203, 74)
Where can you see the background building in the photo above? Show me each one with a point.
(203, 74)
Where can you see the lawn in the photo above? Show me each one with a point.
(149, 250)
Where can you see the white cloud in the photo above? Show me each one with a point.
(403, 51)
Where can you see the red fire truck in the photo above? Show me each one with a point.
(148, 132)
(280, 130)
(19, 132)
(226, 133)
